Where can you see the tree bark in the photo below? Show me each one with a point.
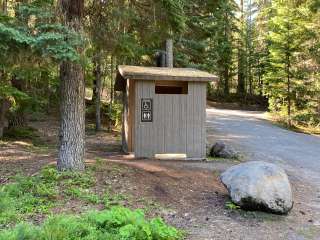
(111, 93)
(4, 107)
(249, 61)
(4, 6)
(97, 94)
(288, 63)
(72, 100)
(169, 53)
(226, 81)
(18, 118)
(289, 93)
(241, 65)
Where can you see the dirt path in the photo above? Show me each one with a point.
(189, 193)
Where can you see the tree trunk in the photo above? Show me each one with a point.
(72, 100)
(288, 63)
(111, 93)
(18, 118)
(249, 73)
(241, 66)
(97, 94)
(4, 6)
(4, 107)
(94, 90)
(241, 75)
(169, 53)
(226, 81)
(289, 95)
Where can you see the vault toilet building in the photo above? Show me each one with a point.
(164, 111)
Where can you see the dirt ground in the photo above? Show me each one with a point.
(187, 194)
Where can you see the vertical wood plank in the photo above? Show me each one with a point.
(203, 120)
(198, 125)
(137, 120)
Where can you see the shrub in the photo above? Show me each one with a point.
(117, 223)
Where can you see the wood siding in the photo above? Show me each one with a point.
(178, 122)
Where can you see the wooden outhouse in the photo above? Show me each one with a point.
(164, 111)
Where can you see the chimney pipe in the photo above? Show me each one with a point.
(169, 53)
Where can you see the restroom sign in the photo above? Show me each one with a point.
(146, 110)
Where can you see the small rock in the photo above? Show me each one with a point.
(259, 186)
(302, 212)
(220, 149)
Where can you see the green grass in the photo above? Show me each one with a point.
(26, 197)
(237, 159)
(117, 223)
(231, 206)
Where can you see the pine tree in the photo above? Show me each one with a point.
(72, 98)
(286, 37)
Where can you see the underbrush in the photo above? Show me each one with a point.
(117, 223)
(27, 197)
(20, 133)
(110, 114)
(28, 134)
(234, 100)
(303, 121)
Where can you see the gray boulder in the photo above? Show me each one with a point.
(259, 186)
(220, 149)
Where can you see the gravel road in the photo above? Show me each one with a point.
(257, 139)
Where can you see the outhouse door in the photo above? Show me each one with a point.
(171, 124)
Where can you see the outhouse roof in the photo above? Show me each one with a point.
(160, 74)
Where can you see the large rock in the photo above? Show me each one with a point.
(259, 186)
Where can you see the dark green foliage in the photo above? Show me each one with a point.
(109, 113)
(21, 133)
(43, 37)
(115, 224)
(291, 83)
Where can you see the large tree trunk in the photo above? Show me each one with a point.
(97, 89)
(72, 100)
(72, 113)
